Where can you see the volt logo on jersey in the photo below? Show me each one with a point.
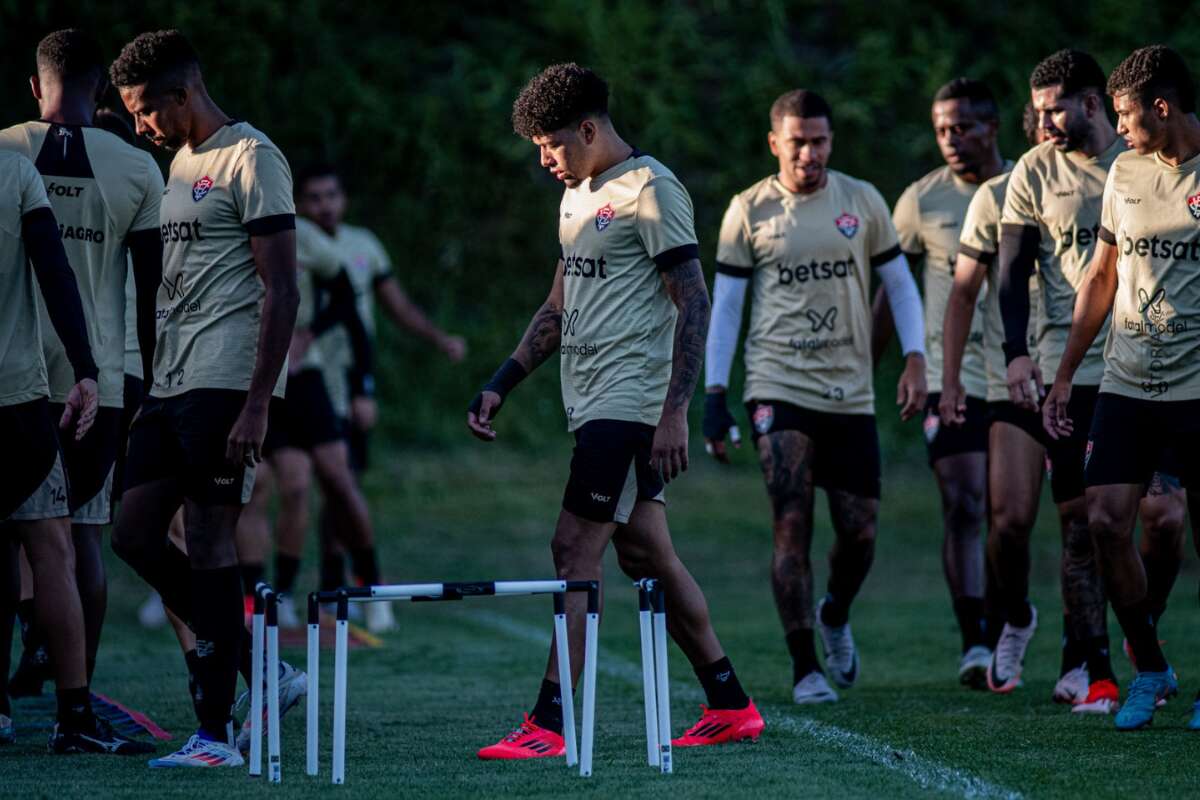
(847, 224)
(604, 216)
(201, 188)
(1194, 205)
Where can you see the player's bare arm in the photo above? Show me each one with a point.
(408, 315)
(275, 261)
(1018, 252)
(540, 341)
(686, 287)
(969, 276)
(1093, 304)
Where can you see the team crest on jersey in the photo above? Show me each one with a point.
(847, 224)
(1194, 205)
(201, 187)
(604, 217)
(932, 424)
(764, 418)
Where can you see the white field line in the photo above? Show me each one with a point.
(924, 772)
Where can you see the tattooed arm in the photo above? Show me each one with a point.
(685, 285)
(540, 341)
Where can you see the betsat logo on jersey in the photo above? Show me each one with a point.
(201, 188)
(1193, 204)
(847, 224)
(604, 216)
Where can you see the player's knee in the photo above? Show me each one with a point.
(793, 528)
(1011, 521)
(573, 558)
(293, 492)
(1163, 519)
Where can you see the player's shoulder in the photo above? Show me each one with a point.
(855, 189)
(759, 193)
(359, 235)
(115, 153)
(644, 169)
(1037, 159)
(931, 181)
(247, 139)
(996, 185)
(20, 137)
(16, 165)
(1130, 162)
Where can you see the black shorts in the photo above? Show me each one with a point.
(304, 418)
(952, 440)
(1130, 439)
(90, 464)
(845, 446)
(184, 438)
(1013, 414)
(610, 470)
(33, 481)
(1064, 457)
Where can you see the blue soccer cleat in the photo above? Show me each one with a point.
(1144, 693)
(1194, 724)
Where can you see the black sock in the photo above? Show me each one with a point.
(969, 613)
(252, 574)
(1099, 663)
(333, 572)
(1020, 614)
(365, 565)
(193, 667)
(801, 645)
(547, 712)
(721, 685)
(1074, 653)
(217, 609)
(75, 709)
(833, 613)
(1143, 638)
(286, 568)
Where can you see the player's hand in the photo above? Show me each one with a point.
(952, 406)
(81, 405)
(668, 453)
(1054, 411)
(453, 347)
(244, 445)
(481, 412)
(911, 390)
(364, 412)
(1025, 387)
(718, 423)
(302, 339)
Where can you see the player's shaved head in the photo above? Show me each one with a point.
(983, 102)
(70, 56)
(1073, 70)
(1153, 72)
(559, 96)
(158, 60)
(802, 103)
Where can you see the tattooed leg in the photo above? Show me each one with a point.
(1164, 526)
(1085, 610)
(786, 459)
(853, 551)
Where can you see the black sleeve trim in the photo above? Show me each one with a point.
(1107, 236)
(978, 255)
(891, 254)
(734, 272)
(60, 290)
(145, 251)
(265, 226)
(676, 256)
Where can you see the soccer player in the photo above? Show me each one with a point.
(227, 306)
(1049, 221)
(105, 195)
(321, 197)
(627, 310)
(805, 241)
(1143, 273)
(34, 502)
(928, 219)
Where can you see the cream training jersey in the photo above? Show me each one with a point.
(234, 185)
(1060, 194)
(101, 189)
(617, 231)
(808, 258)
(1152, 216)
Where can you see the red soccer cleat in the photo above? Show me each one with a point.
(528, 740)
(720, 725)
(1103, 697)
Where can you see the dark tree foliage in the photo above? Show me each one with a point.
(414, 102)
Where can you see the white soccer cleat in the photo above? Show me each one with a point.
(201, 753)
(1072, 687)
(293, 684)
(151, 613)
(1004, 671)
(972, 667)
(286, 613)
(812, 689)
(841, 656)
(380, 618)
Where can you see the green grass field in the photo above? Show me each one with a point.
(458, 675)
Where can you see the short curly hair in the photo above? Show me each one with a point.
(975, 92)
(72, 55)
(558, 96)
(1155, 71)
(1074, 70)
(802, 103)
(158, 59)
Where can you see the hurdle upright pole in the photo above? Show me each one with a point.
(563, 649)
(591, 643)
(341, 645)
(272, 667)
(662, 682)
(256, 678)
(649, 692)
(311, 728)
